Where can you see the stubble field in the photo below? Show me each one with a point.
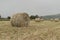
(45, 30)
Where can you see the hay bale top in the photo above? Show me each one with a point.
(20, 14)
(51, 19)
(56, 19)
(37, 18)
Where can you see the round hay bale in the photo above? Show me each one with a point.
(51, 19)
(42, 19)
(20, 20)
(56, 19)
(37, 19)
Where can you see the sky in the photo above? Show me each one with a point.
(32, 7)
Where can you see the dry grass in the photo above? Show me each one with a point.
(45, 30)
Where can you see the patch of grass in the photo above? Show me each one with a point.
(45, 30)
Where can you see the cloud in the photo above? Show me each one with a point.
(32, 7)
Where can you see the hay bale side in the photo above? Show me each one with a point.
(41, 19)
(51, 19)
(20, 20)
(56, 19)
(37, 19)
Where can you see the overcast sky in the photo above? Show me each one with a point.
(32, 7)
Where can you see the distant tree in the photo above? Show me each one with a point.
(32, 17)
(36, 16)
(0, 16)
(8, 17)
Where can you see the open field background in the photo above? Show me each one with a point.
(45, 30)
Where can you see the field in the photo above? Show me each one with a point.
(45, 30)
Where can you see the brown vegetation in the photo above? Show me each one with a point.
(45, 30)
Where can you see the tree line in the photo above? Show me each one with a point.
(31, 17)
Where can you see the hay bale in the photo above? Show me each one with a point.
(37, 19)
(56, 19)
(51, 19)
(20, 20)
(42, 19)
